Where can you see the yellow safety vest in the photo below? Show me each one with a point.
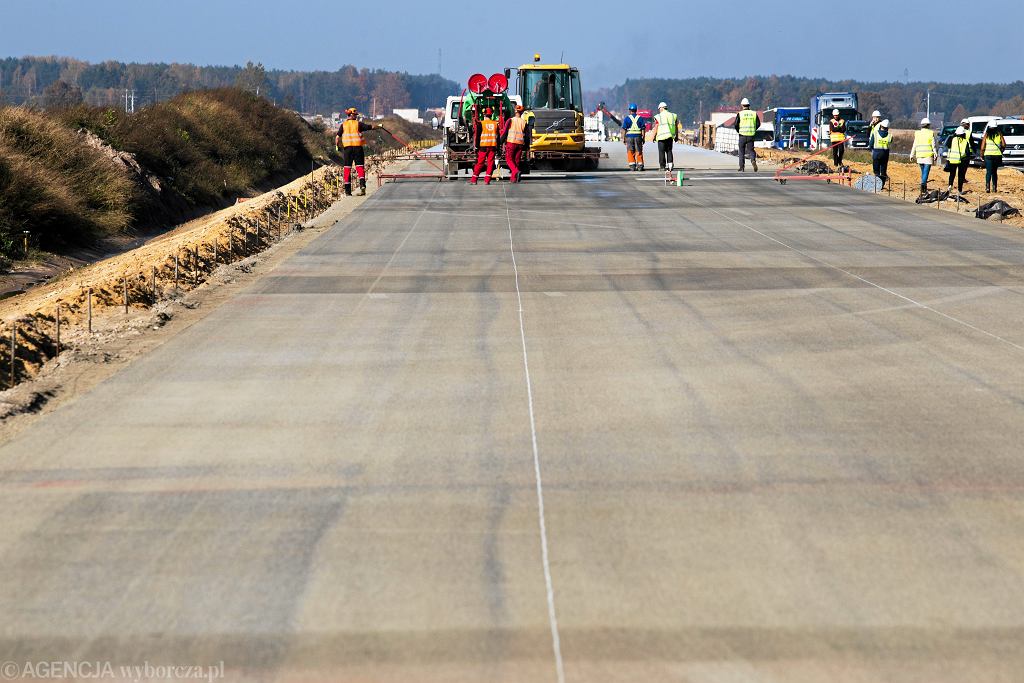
(880, 142)
(924, 143)
(634, 126)
(517, 131)
(992, 145)
(488, 133)
(667, 122)
(835, 135)
(748, 123)
(957, 149)
(350, 134)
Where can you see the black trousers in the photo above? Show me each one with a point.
(837, 154)
(880, 163)
(352, 155)
(746, 143)
(665, 152)
(958, 171)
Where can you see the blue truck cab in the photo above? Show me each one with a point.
(792, 127)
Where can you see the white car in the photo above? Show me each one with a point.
(1013, 134)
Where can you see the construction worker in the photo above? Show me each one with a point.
(958, 155)
(486, 140)
(514, 137)
(524, 164)
(837, 136)
(633, 129)
(876, 119)
(880, 142)
(992, 146)
(924, 151)
(747, 123)
(666, 130)
(349, 141)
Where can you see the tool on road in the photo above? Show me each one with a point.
(843, 176)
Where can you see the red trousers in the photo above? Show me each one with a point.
(514, 157)
(484, 154)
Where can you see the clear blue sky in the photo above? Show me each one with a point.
(399, 34)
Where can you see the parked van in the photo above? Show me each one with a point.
(1013, 133)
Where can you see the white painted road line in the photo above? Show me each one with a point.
(549, 584)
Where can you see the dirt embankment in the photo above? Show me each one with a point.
(905, 181)
(90, 303)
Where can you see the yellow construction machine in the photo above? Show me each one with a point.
(552, 92)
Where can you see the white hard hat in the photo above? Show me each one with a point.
(960, 130)
(835, 112)
(745, 102)
(964, 121)
(884, 123)
(662, 105)
(926, 121)
(876, 113)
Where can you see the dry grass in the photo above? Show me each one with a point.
(65, 193)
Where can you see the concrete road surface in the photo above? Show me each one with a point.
(585, 428)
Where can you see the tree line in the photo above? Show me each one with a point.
(62, 81)
(692, 97)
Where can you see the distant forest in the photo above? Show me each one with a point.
(59, 81)
(898, 101)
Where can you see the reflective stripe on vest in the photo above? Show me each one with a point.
(488, 133)
(882, 143)
(350, 135)
(748, 123)
(666, 125)
(835, 135)
(924, 143)
(517, 131)
(957, 149)
(992, 145)
(634, 126)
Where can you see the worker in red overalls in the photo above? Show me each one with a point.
(349, 142)
(486, 146)
(514, 137)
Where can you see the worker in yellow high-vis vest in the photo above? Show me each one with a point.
(992, 146)
(958, 155)
(747, 123)
(924, 151)
(666, 131)
(880, 142)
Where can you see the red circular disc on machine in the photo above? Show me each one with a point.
(498, 83)
(477, 83)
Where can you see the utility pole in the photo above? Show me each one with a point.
(438, 61)
(928, 111)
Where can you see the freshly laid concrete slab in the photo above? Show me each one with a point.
(776, 432)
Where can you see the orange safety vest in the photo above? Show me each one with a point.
(350, 134)
(517, 131)
(488, 133)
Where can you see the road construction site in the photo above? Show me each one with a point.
(587, 427)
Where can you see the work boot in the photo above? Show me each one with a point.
(640, 167)
(348, 189)
(669, 168)
(362, 187)
(753, 162)
(632, 167)
(487, 180)
(924, 189)
(472, 181)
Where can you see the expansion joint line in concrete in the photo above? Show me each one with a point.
(903, 297)
(549, 584)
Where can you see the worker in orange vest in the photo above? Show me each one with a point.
(349, 142)
(486, 140)
(514, 137)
